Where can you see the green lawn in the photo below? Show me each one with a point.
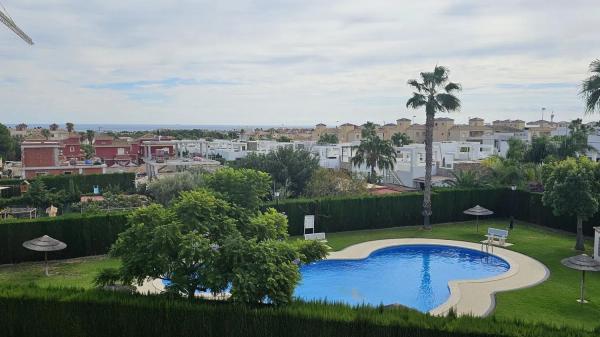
(552, 302)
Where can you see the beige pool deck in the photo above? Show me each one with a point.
(467, 297)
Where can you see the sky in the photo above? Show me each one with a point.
(290, 62)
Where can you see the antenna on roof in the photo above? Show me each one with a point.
(8, 22)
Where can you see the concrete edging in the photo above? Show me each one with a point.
(467, 297)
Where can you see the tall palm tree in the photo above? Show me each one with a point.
(590, 88)
(375, 153)
(70, 126)
(435, 93)
(53, 127)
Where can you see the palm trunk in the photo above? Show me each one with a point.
(428, 165)
(373, 175)
(579, 245)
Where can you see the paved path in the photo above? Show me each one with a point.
(467, 297)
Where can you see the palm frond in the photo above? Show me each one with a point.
(592, 102)
(451, 87)
(440, 75)
(448, 102)
(415, 84)
(595, 66)
(416, 101)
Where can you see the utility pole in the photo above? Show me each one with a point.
(8, 22)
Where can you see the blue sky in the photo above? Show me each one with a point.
(294, 62)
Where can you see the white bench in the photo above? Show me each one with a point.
(497, 236)
(309, 224)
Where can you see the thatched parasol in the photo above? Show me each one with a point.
(584, 263)
(477, 211)
(44, 244)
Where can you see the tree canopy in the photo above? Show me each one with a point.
(327, 182)
(328, 138)
(7, 144)
(290, 169)
(400, 139)
(202, 242)
(374, 152)
(572, 187)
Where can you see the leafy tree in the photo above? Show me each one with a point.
(576, 142)
(400, 139)
(284, 139)
(243, 187)
(21, 127)
(70, 126)
(289, 168)
(46, 133)
(375, 153)
(39, 196)
(7, 143)
(53, 127)
(333, 183)
(541, 148)
(166, 189)
(503, 172)
(590, 88)
(328, 138)
(516, 149)
(199, 243)
(435, 93)
(572, 187)
(90, 135)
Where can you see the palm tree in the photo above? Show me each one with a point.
(53, 127)
(465, 179)
(590, 88)
(400, 139)
(70, 127)
(90, 135)
(375, 153)
(435, 93)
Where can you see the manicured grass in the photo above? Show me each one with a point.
(63, 273)
(552, 302)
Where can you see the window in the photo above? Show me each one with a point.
(465, 149)
(72, 148)
(67, 172)
(120, 150)
(41, 173)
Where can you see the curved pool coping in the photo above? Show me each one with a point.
(467, 297)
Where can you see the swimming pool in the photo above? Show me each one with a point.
(412, 275)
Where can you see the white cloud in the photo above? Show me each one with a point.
(292, 62)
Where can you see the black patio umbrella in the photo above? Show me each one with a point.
(44, 244)
(477, 211)
(584, 263)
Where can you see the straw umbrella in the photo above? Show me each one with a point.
(477, 211)
(44, 244)
(584, 263)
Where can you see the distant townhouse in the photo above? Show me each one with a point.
(44, 157)
(508, 123)
(115, 151)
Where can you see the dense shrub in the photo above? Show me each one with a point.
(85, 183)
(31, 311)
(371, 212)
(84, 235)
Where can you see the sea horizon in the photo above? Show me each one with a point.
(117, 127)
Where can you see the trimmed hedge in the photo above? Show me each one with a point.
(31, 311)
(396, 210)
(529, 207)
(84, 235)
(85, 183)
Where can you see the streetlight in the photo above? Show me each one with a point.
(511, 225)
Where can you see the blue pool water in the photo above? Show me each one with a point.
(412, 275)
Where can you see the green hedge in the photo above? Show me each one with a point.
(86, 183)
(529, 207)
(32, 312)
(372, 212)
(84, 235)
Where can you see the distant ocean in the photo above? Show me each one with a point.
(151, 127)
